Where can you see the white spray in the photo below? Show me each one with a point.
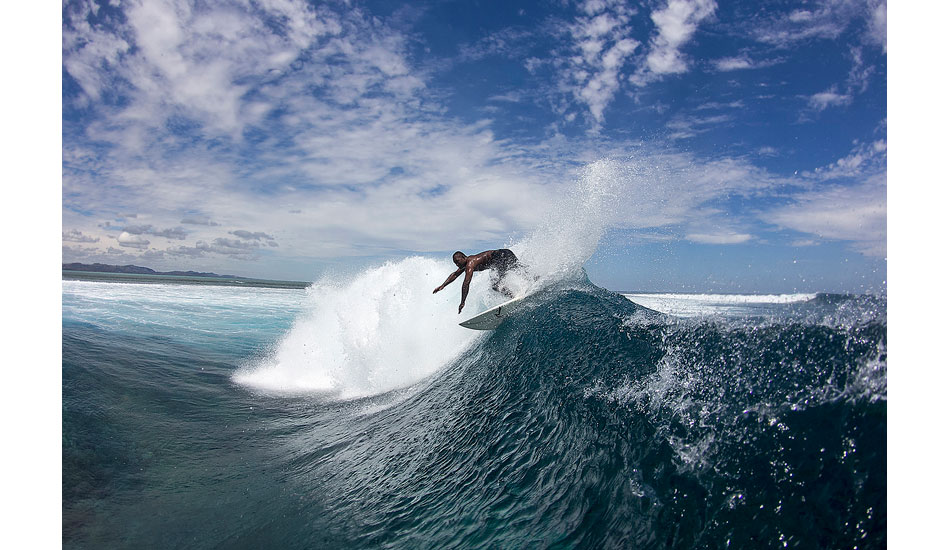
(570, 233)
(382, 331)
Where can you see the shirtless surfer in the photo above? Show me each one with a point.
(499, 261)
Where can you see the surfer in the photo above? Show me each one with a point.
(499, 261)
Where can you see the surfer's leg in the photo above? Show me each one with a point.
(496, 277)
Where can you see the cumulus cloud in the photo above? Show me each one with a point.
(132, 241)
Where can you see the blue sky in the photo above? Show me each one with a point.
(288, 139)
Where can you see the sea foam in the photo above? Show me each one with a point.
(380, 331)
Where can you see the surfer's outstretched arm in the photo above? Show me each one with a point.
(448, 281)
(465, 285)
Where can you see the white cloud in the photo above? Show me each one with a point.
(845, 200)
(198, 219)
(719, 238)
(602, 44)
(132, 241)
(733, 63)
(856, 213)
(252, 236)
(177, 233)
(864, 160)
(801, 16)
(830, 21)
(91, 50)
(877, 22)
(827, 21)
(860, 74)
(685, 127)
(76, 236)
(676, 23)
(828, 98)
(509, 42)
(510, 97)
(737, 104)
(173, 59)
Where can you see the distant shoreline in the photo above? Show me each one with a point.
(137, 274)
(139, 270)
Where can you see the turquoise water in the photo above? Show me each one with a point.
(358, 415)
(178, 279)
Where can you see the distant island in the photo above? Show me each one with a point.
(138, 274)
(138, 270)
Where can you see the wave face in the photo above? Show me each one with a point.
(587, 421)
(591, 422)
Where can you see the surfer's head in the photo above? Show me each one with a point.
(459, 258)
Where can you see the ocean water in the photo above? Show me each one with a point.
(357, 414)
(209, 416)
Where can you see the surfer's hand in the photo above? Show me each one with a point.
(461, 306)
(438, 288)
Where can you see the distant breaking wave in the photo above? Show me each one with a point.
(691, 305)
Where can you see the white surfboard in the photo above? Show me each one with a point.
(492, 317)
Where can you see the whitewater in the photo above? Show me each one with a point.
(358, 414)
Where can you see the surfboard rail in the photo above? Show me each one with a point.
(492, 317)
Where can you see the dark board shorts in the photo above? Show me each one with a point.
(502, 260)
